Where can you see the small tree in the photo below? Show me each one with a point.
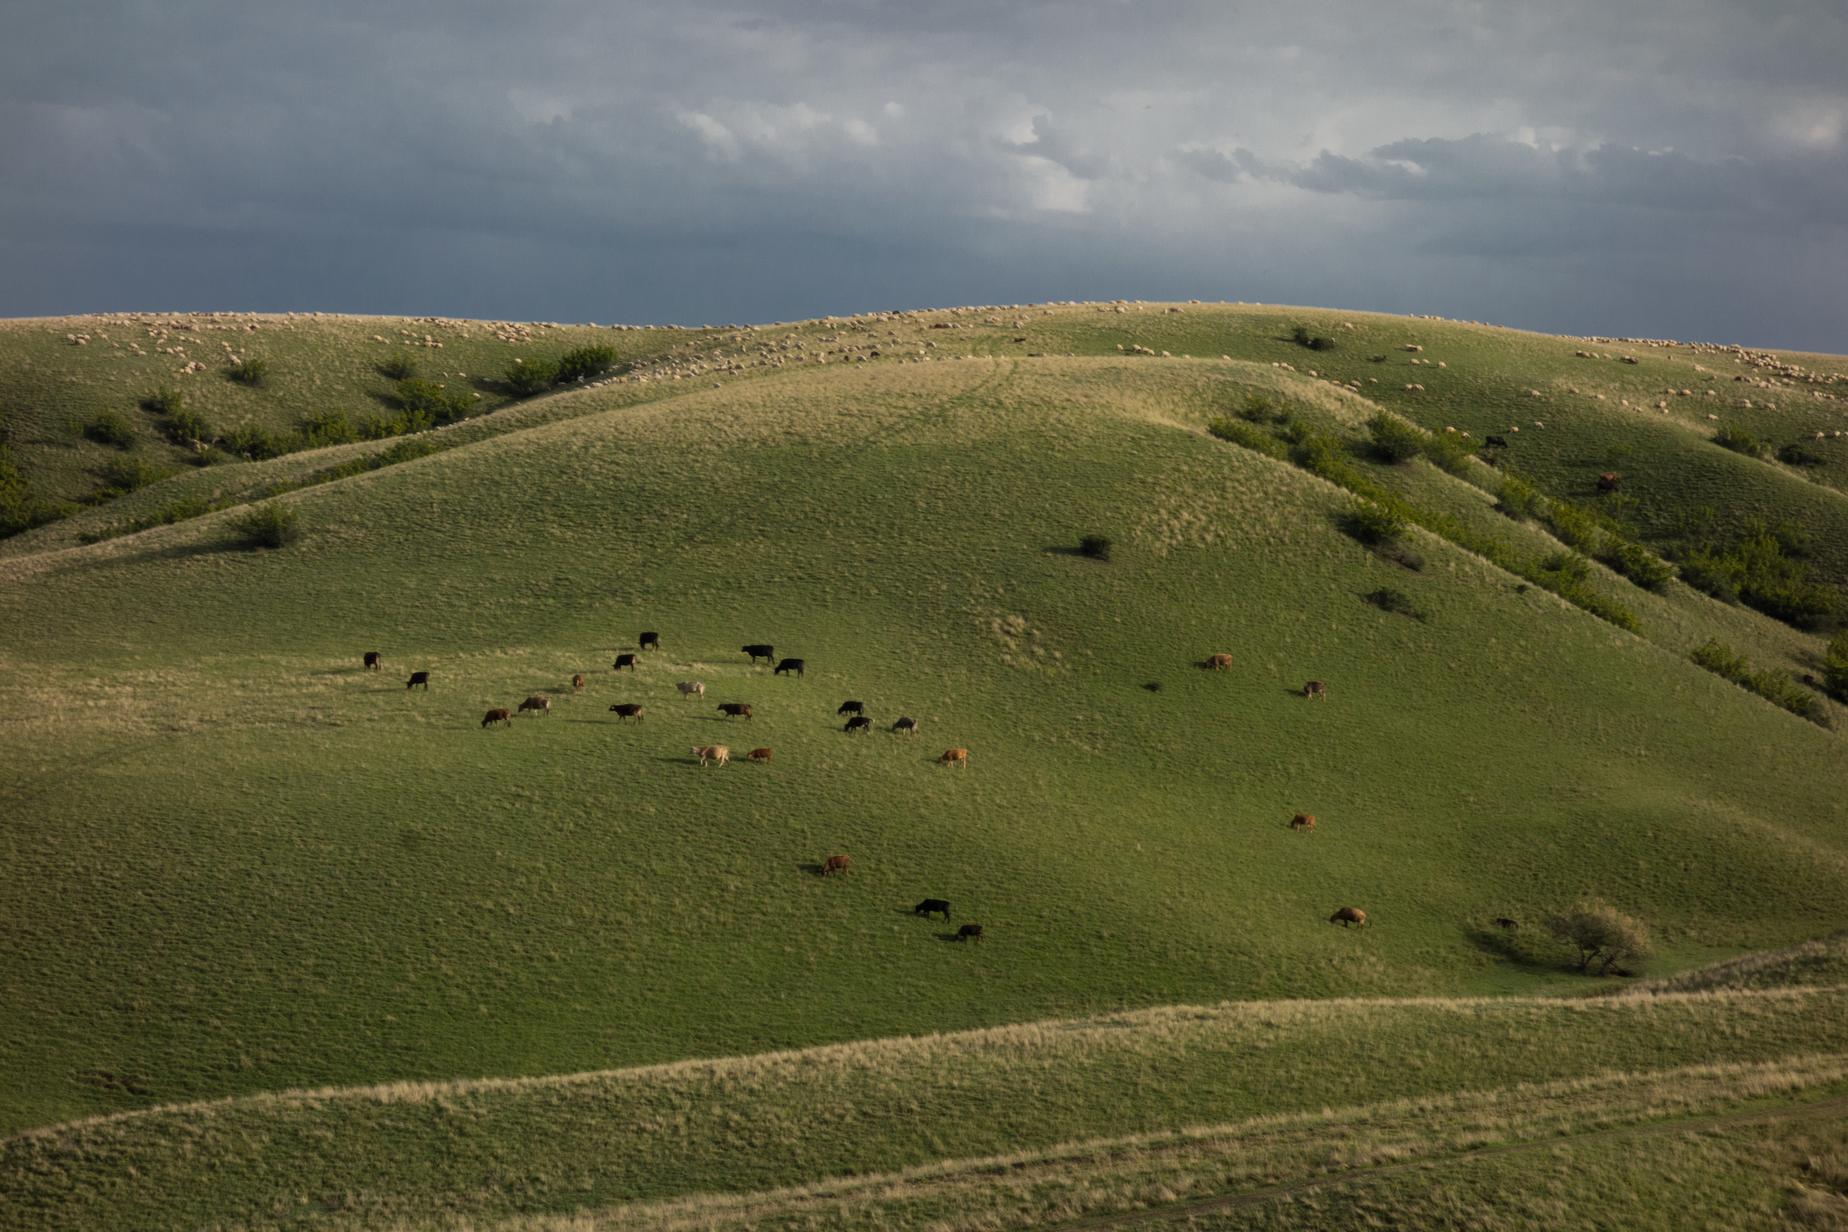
(269, 525)
(1394, 440)
(1097, 547)
(1835, 666)
(252, 372)
(1600, 934)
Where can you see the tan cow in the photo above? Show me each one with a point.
(1345, 916)
(1303, 821)
(1218, 663)
(542, 704)
(954, 757)
(712, 752)
(692, 688)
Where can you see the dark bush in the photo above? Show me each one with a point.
(1251, 438)
(1567, 566)
(1449, 451)
(1739, 441)
(1573, 526)
(253, 372)
(1518, 499)
(1315, 342)
(525, 378)
(583, 363)
(1774, 687)
(20, 510)
(1638, 564)
(269, 525)
(1395, 440)
(1601, 934)
(426, 404)
(123, 475)
(184, 427)
(164, 401)
(400, 367)
(328, 428)
(1097, 547)
(1372, 525)
(1799, 455)
(1835, 667)
(109, 428)
(1395, 601)
(254, 443)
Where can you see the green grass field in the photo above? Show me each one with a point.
(239, 864)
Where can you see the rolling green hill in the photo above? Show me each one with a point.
(239, 863)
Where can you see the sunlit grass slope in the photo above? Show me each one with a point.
(237, 862)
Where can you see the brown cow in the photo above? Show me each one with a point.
(835, 864)
(577, 683)
(758, 755)
(498, 715)
(542, 704)
(733, 710)
(374, 663)
(1218, 663)
(712, 752)
(969, 932)
(1609, 481)
(1303, 821)
(954, 757)
(1345, 916)
(627, 710)
(1315, 690)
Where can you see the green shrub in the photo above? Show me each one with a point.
(109, 428)
(1601, 934)
(400, 367)
(1567, 566)
(1395, 440)
(1637, 563)
(1835, 667)
(164, 401)
(1799, 455)
(269, 525)
(525, 378)
(124, 475)
(1739, 441)
(583, 363)
(1262, 408)
(1315, 342)
(328, 428)
(254, 443)
(1372, 525)
(1573, 526)
(1518, 499)
(1395, 601)
(184, 427)
(426, 404)
(20, 510)
(1449, 451)
(253, 372)
(1097, 547)
(1722, 660)
(1251, 438)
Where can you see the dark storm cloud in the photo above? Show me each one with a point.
(704, 161)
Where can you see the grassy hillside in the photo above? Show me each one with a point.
(240, 863)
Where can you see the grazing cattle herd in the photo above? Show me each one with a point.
(857, 722)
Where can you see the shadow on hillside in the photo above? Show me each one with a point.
(185, 551)
(812, 869)
(1507, 946)
(682, 760)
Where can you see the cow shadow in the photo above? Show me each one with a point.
(956, 937)
(682, 760)
(812, 869)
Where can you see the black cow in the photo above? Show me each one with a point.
(625, 660)
(1495, 442)
(760, 650)
(789, 665)
(931, 906)
(627, 710)
(858, 723)
(850, 708)
(373, 661)
(733, 709)
(906, 726)
(969, 932)
(651, 641)
(418, 678)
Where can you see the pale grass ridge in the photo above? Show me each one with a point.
(1140, 1171)
(1062, 1035)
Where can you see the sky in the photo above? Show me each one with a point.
(1662, 168)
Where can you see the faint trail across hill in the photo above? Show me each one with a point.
(1827, 1109)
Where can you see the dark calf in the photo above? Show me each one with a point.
(627, 710)
(497, 716)
(625, 660)
(858, 723)
(373, 661)
(851, 708)
(932, 906)
(418, 678)
(905, 726)
(733, 710)
(789, 665)
(969, 932)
